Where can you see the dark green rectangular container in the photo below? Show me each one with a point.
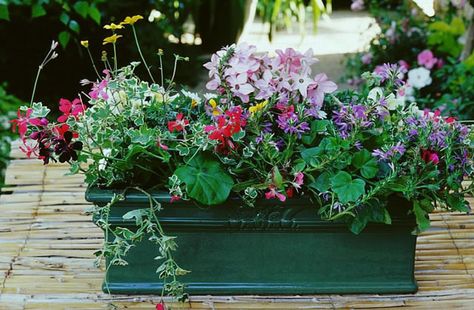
(274, 248)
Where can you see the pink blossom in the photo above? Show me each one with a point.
(273, 193)
(265, 86)
(240, 86)
(366, 58)
(301, 83)
(404, 66)
(440, 63)
(173, 199)
(74, 108)
(22, 122)
(357, 5)
(321, 85)
(298, 181)
(99, 90)
(427, 59)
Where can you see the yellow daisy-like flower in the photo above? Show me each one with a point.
(113, 26)
(112, 39)
(131, 20)
(85, 43)
(215, 110)
(194, 103)
(258, 107)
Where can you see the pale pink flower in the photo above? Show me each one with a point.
(240, 86)
(321, 85)
(301, 83)
(427, 59)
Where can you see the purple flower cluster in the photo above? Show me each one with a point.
(397, 149)
(348, 117)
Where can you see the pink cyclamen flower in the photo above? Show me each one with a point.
(74, 108)
(427, 59)
(273, 193)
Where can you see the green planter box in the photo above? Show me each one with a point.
(274, 248)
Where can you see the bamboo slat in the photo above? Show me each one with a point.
(47, 245)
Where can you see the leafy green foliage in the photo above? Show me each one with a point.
(205, 180)
(445, 36)
(347, 189)
(367, 164)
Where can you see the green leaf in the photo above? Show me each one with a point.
(37, 10)
(374, 213)
(366, 163)
(347, 190)
(4, 14)
(205, 180)
(74, 26)
(422, 218)
(64, 38)
(82, 8)
(277, 178)
(322, 183)
(39, 110)
(457, 203)
(136, 214)
(94, 13)
(64, 18)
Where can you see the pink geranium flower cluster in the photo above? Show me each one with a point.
(247, 75)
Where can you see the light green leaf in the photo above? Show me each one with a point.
(277, 178)
(205, 180)
(4, 14)
(94, 13)
(64, 38)
(37, 10)
(82, 8)
(74, 26)
(64, 18)
(39, 110)
(347, 190)
(422, 218)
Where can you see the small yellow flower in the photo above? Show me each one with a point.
(215, 110)
(194, 103)
(112, 39)
(258, 107)
(85, 43)
(113, 26)
(131, 20)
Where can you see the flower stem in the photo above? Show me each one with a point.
(36, 83)
(141, 54)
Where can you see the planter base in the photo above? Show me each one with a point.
(278, 249)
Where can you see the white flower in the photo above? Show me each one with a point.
(394, 102)
(103, 161)
(375, 94)
(193, 96)
(209, 96)
(419, 77)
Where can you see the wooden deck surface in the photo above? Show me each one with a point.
(47, 245)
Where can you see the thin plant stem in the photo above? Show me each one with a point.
(161, 70)
(141, 54)
(36, 83)
(93, 63)
(115, 59)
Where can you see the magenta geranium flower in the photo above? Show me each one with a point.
(273, 193)
(74, 108)
(21, 123)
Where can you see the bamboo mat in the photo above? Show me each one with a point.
(47, 245)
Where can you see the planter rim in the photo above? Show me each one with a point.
(294, 214)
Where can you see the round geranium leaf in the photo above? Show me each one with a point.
(347, 189)
(205, 180)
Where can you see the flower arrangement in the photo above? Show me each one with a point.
(421, 45)
(269, 129)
